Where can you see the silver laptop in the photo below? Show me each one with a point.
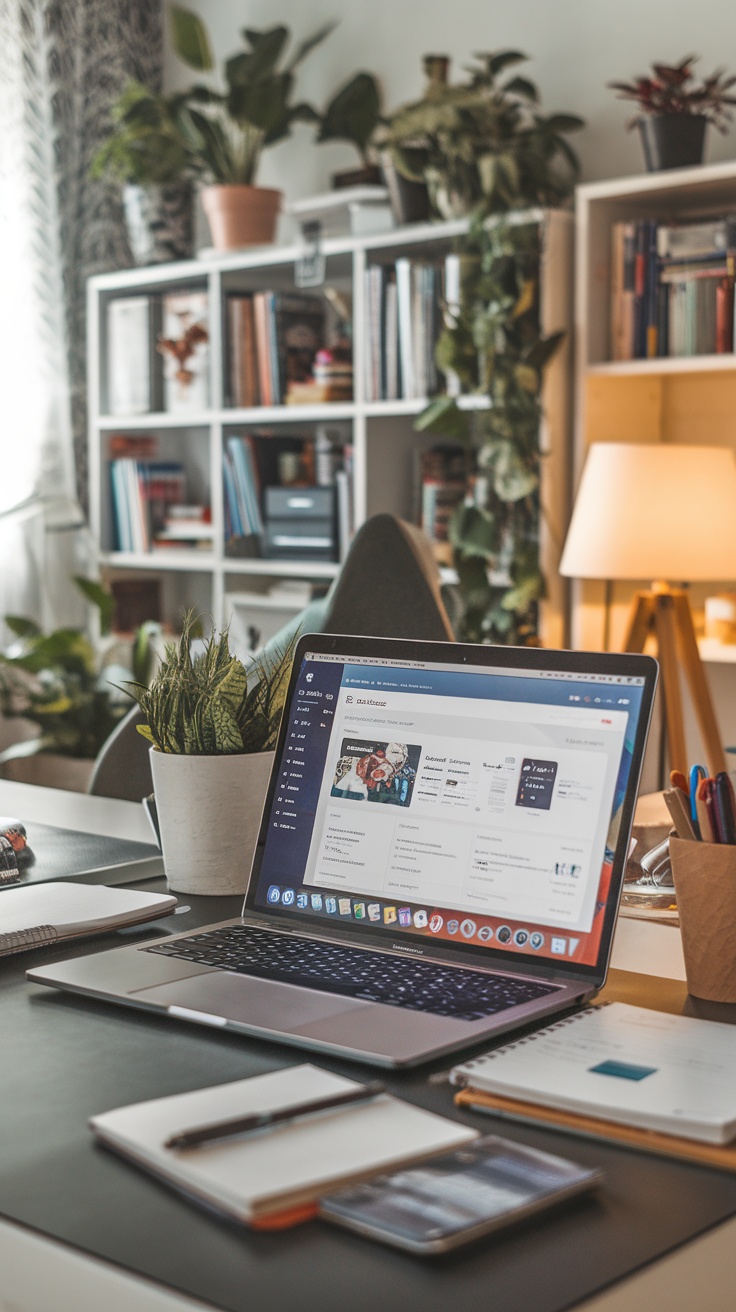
(440, 859)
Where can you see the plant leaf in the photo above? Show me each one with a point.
(443, 415)
(190, 39)
(100, 597)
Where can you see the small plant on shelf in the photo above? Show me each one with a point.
(353, 115)
(207, 704)
(672, 89)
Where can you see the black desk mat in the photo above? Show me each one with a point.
(65, 1058)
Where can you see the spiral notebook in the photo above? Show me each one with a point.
(49, 913)
(619, 1064)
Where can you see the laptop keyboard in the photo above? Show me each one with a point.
(356, 972)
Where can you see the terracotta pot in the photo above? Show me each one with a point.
(209, 812)
(241, 216)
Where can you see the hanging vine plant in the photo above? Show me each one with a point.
(493, 340)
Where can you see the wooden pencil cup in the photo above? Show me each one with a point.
(705, 887)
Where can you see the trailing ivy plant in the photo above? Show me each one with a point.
(494, 344)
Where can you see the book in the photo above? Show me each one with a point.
(263, 1178)
(631, 1066)
(134, 373)
(243, 389)
(40, 914)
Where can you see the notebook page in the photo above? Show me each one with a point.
(71, 908)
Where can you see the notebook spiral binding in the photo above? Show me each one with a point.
(460, 1077)
(21, 939)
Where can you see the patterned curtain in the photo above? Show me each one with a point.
(64, 61)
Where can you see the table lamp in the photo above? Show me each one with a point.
(667, 513)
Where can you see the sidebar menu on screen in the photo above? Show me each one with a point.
(311, 718)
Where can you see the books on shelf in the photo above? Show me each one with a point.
(134, 368)
(144, 495)
(287, 497)
(443, 478)
(404, 319)
(672, 288)
(273, 340)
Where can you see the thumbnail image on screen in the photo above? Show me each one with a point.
(370, 771)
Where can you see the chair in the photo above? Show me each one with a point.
(388, 587)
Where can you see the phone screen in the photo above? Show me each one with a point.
(459, 1196)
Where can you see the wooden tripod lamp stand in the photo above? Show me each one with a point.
(663, 512)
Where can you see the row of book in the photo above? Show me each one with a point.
(150, 510)
(285, 498)
(404, 317)
(273, 342)
(672, 288)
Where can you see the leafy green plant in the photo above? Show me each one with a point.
(55, 680)
(494, 344)
(672, 89)
(152, 141)
(207, 705)
(484, 140)
(255, 109)
(353, 115)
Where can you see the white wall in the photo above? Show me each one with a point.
(576, 47)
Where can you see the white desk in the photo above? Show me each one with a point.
(700, 1274)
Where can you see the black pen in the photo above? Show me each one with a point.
(261, 1120)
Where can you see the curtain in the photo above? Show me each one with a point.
(63, 63)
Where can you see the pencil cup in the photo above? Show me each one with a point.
(705, 887)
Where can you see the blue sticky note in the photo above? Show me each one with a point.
(623, 1070)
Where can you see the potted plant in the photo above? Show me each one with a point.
(482, 140)
(235, 125)
(674, 111)
(151, 150)
(352, 115)
(58, 682)
(213, 728)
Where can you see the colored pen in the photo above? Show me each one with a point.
(706, 818)
(725, 807)
(262, 1120)
(697, 774)
(678, 780)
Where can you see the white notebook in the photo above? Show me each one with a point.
(630, 1065)
(48, 913)
(258, 1175)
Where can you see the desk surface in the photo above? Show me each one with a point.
(65, 1058)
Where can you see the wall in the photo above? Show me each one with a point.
(577, 46)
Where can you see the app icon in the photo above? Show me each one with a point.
(302, 900)
(287, 897)
(374, 911)
(330, 905)
(436, 923)
(467, 928)
(345, 906)
(389, 915)
(571, 945)
(359, 910)
(274, 894)
(453, 926)
(520, 937)
(503, 934)
(316, 901)
(537, 940)
(485, 933)
(404, 917)
(420, 919)
(559, 946)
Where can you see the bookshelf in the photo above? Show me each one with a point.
(686, 399)
(380, 432)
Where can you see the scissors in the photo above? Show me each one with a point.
(697, 774)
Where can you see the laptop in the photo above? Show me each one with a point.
(440, 857)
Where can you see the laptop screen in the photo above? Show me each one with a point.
(469, 804)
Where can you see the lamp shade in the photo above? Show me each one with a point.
(654, 511)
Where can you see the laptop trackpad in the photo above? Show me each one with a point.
(262, 1002)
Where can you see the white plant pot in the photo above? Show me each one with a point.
(209, 811)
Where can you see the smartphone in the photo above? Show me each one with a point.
(458, 1197)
